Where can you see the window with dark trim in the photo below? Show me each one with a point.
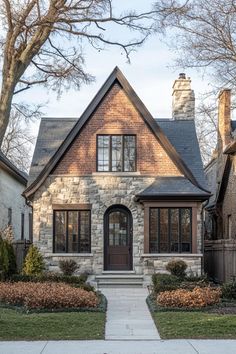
(9, 216)
(170, 230)
(72, 231)
(22, 226)
(116, 153)
(31, 227)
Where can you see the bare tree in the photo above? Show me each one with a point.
(206, 126)
(203, 34)
(18, 141)
(42, 41)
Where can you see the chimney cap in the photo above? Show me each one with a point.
(182, 76)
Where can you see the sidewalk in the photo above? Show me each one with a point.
(121, 347)
(128, 317)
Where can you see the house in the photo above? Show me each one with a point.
(13, 208)
(220, 244)
(118, 190)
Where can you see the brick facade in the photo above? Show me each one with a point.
(116, 115)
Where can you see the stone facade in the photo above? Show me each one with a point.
(183, 99)
(101, 192)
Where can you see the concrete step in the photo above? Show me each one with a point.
(119, 280)
(112, 284)
(117, 272)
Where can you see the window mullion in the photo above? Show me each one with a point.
(158, 213)
(169, 228)
(191, 231)
(79, 227)
(66, 231)
(122, 153)
(180, 230)
(110, 153)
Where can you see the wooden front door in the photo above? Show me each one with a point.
(118, 239)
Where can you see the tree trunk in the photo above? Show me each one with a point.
(5, 107)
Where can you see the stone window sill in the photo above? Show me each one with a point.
(116, 174)
(152, 255)
(69, 255)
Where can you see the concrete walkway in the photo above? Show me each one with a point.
(121, 347)
(128, 317)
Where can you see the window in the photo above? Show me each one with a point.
(31, 227)
(9, 216)
(72, 231)
(170, 230)
(116, 153)
(22, 226)
(229, 227)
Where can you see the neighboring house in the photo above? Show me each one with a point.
(220, 244)
(13, 208)
(118, 190)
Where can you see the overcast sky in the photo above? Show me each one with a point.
(151, 73)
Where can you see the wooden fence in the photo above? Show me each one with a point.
(220, 259)
(21, 247)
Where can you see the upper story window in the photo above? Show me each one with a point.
(116, 153)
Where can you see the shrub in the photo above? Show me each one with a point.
(34, 263)
(197, 298)
(46, 295)
(7, 258)
(50, 276)
(4, 259)
(68, 266)
(177, 268)
(12, 268)
(229, 290)
(164, 282)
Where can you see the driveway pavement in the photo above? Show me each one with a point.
(121, 347)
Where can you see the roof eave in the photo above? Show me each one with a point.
(14, 173)
(161, 197)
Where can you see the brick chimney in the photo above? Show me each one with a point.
(183, 99)
(224, 119)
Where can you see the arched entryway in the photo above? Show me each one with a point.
(118, 240)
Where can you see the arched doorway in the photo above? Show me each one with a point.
(118, 238)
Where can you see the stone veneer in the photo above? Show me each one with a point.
(101, 191)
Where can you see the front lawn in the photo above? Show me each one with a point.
(195, 325)
(16, 325)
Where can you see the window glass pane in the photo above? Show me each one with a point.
(185, 230)
(118, 229)
(153, 237)
(129, 153)
(116, 156)
(103, 152)
(60, 231)
(73, 231)
(174, 230)
(84, 227)
(164, 237)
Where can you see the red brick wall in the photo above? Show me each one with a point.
(116, 114)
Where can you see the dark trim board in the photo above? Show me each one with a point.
(115, 77)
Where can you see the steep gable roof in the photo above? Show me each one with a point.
(115, 77)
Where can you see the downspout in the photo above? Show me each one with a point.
(202, 235)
